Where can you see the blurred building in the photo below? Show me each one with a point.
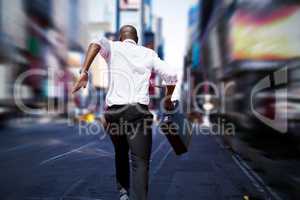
(193, 73)
(12, 36)
(100, 23)
(36, 38)
(48, 39)
(131, 12)
(12, 41)
(249, 52)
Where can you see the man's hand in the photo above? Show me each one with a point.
(93, 50)
(81, 83)
(168, 105)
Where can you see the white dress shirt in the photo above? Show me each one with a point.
(129, 71)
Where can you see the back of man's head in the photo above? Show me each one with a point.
(128, 32)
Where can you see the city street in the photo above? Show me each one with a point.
(52, 161)
(231, 66)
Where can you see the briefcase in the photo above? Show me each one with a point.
(178, 130)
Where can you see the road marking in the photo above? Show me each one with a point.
(105, 153)
(71, 188)
(256, 180)
(157, 149)
(18, 147)
(67, 153)
(160, 164)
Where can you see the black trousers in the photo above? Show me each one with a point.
(130, 129)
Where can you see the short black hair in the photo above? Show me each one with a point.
(128, 32)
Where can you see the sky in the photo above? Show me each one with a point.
(175, 19)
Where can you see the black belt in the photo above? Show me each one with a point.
(128, 105)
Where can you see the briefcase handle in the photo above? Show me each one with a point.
(167, 118)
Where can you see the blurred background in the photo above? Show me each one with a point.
(238, 64)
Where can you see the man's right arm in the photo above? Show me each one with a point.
(93, 50)
(169, 76)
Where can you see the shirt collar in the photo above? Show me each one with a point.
(130, 41)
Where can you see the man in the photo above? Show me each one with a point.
(128, 118)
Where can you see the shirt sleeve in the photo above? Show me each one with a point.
(168, 75)
(105, 45)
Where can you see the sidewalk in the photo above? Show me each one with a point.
(207, 172)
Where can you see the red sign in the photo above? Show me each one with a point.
(130, 4)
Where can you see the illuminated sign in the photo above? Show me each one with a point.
(271, 33)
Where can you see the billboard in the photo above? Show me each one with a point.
(267, 33)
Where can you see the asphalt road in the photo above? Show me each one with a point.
(53, 161)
